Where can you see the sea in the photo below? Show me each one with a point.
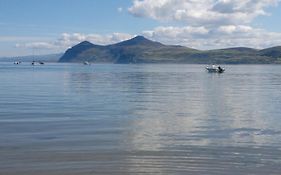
(122, 119)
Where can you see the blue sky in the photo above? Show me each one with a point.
(51, 26)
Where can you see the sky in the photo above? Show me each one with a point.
(29, 27)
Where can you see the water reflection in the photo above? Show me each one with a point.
(210, 111)
(126, 119)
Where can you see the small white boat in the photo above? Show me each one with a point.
(215, 69)
(17, 62)
(86, 63)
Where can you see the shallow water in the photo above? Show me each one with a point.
(137, 119)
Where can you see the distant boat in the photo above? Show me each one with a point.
(215, 69)
(17, 62)
(37, 63)
(86, 63)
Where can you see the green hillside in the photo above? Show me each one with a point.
(142, 50)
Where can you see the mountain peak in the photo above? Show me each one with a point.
(85, 43)
(76, 50)
(139, 40)
(139, 37)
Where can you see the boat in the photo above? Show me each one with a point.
(34, 63)
(17, 62)
(215, 69)
(86, 63)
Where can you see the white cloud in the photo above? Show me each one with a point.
(176, 32)
(108, 39)
(67, 40)
(230, 29)
(208, 23)
(202, 12)
(210, 38)
(196, 37)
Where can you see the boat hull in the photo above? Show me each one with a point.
(214, 70)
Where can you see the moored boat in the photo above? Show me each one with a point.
(215, 69)
(34, 63)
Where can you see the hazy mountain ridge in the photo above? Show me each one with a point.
(142, 50)
(29, 58)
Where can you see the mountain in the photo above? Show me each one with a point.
(135, 50)
(138, 40)
(75, 51)
(273, 52)
(29, 58)
(142, 50)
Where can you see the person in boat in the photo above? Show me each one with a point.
(220, 69)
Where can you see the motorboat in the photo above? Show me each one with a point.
(215, 69)
(17, 62)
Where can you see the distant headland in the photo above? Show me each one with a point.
(142, 50)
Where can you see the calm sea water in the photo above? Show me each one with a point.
(139, 119)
